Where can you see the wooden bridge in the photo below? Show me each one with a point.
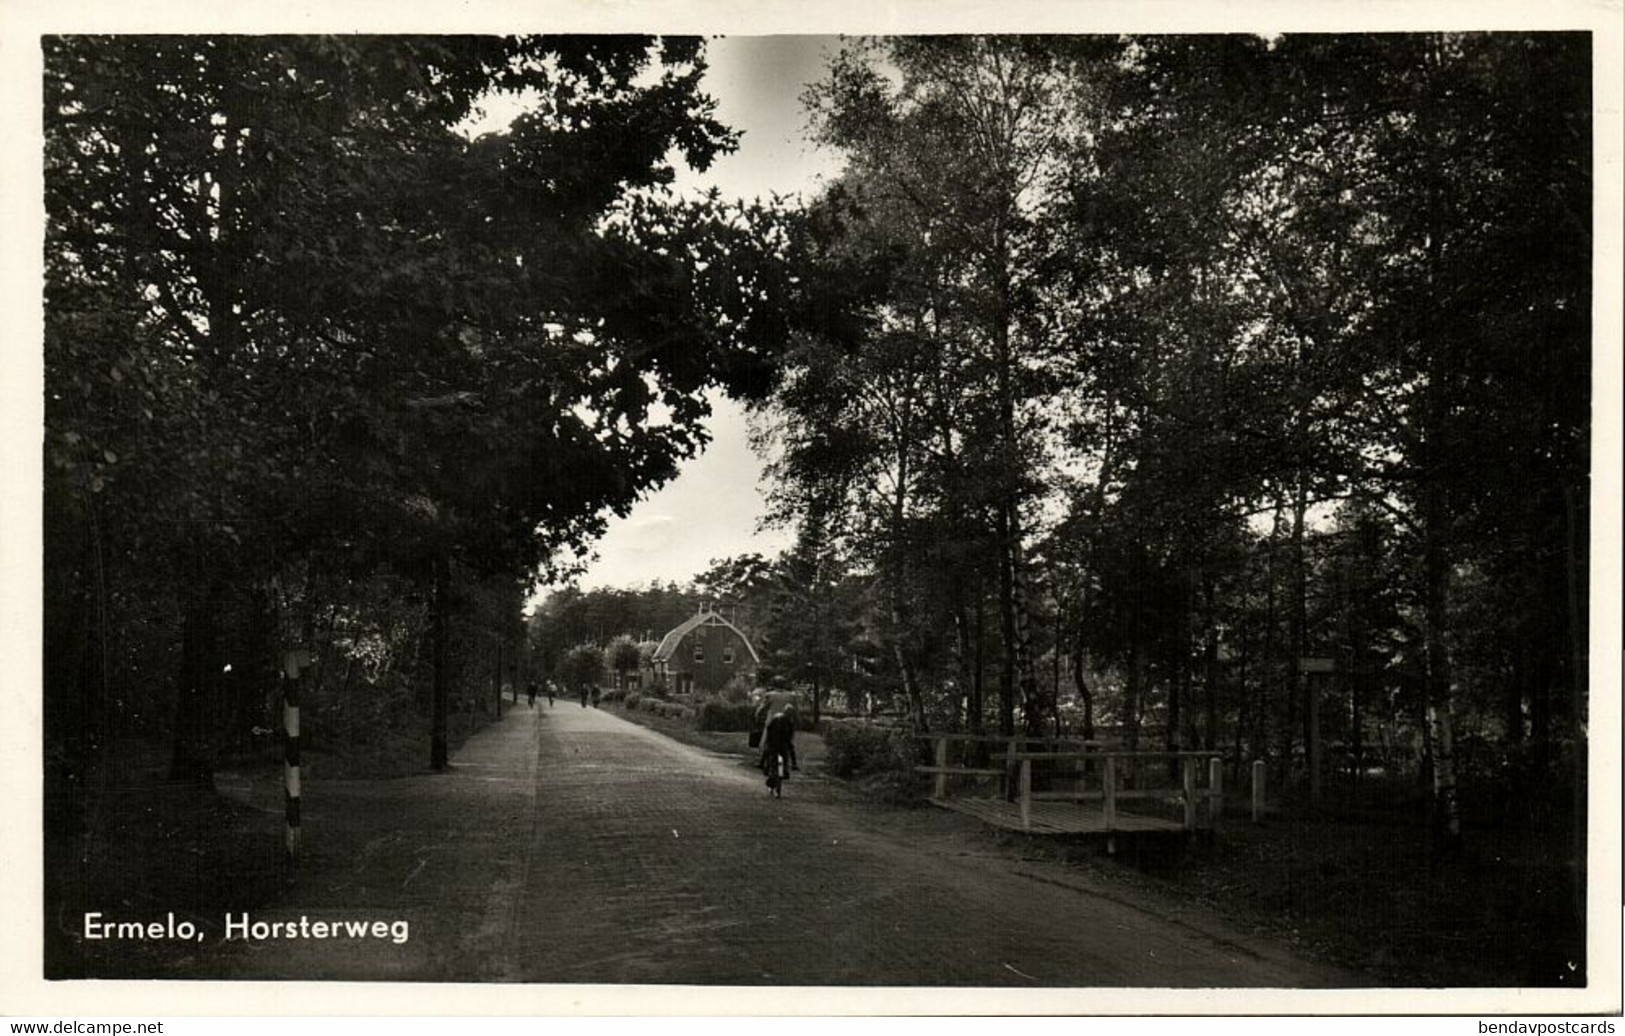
(1081, 787)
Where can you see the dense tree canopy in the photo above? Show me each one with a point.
(1111, 380)
(298, 322)
(1188, 358)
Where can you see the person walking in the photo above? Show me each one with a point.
(551, 689)
(596, 692)
(530, 692)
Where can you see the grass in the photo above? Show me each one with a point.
(149, 851)
(141, 847)
(1376, 896)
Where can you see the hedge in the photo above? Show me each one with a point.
(860, 749)
(733, 717)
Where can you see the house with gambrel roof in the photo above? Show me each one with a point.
(702, 654)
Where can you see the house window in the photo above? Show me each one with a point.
(727, 656)
(699, 652)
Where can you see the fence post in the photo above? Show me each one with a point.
(1009, 765)
(1026, 794)
(1108, 785)
(1215, 789)
(1187, 780)
(939, 788)
(1258, 790)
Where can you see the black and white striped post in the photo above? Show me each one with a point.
(294, 663)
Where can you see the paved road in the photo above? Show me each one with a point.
(570, 845)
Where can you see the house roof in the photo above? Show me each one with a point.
(668, 643)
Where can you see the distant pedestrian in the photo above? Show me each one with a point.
(550, 691)
(595, 695)
(530, 693)
(779, 750)
(583, 690)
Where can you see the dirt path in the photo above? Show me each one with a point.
(569, 845)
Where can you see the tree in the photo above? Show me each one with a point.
(583, 668)
(623, 657)
(741, 586)
(286, 291)
(812, 622)
(1006, 108)
(1301, 295)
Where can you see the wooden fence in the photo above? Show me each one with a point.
(1085, 786)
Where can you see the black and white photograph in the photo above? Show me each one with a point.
(1038, 511)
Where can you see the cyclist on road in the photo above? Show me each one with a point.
(779, 749)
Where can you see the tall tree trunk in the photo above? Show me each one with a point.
(1007, 635)
(1517, 687)
(1435, 508)
(1250, 723)
(1439, 697)
(1576, 581)
(74, 705)
(1018, 649)
(1357, 692)
(1085, 694)
(1055, 679)
(979, 662)
(441, 708)
(1210, 657)
(1033, 711)
(962, 653)
(911, 686)
(1298, 700)
(1274, 675)
(1179, 681)
(896, 579)
(1136, 670)
(189, 760)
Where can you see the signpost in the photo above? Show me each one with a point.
(294, 664)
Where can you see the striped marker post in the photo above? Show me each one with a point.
(294, 663)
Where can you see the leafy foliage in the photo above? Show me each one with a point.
(299, 325)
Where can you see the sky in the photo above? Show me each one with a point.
(712, 508)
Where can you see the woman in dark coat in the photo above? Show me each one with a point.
(779, 749)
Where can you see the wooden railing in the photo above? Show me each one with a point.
(1008, 749)
(1121, 775)
(1189, 793)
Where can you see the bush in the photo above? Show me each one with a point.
(737, 689)
(858, 749)
(612, 695)
(632, 699)
(716, 714)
